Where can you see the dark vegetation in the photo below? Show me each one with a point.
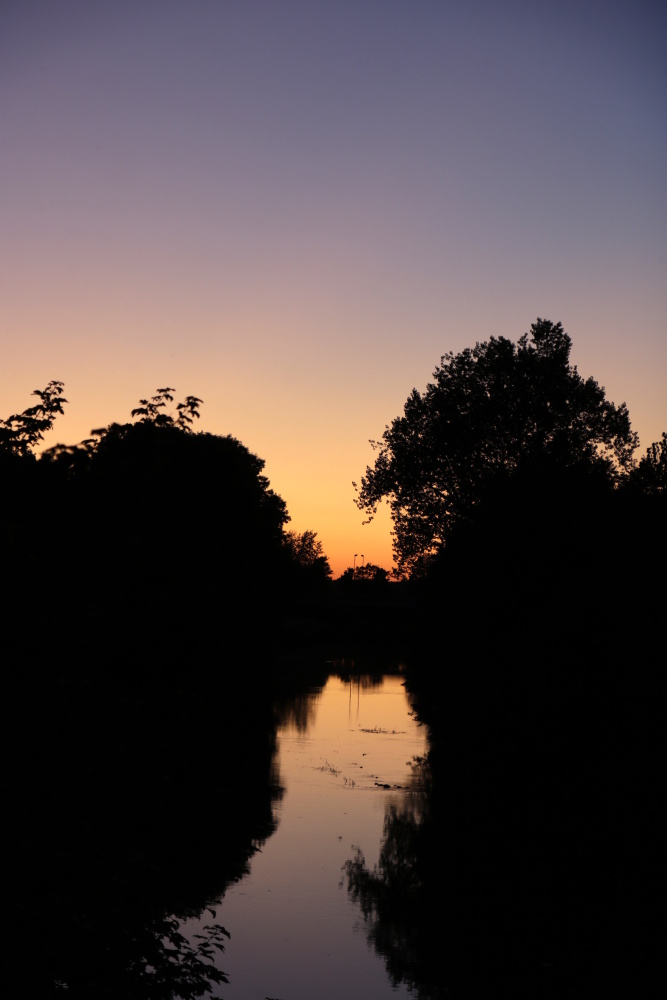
(156, 606)
(147, 529)
(145, 571)
(493, 412)
(537, 549)
(367, 573)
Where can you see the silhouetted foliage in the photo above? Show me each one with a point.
(201, 500)
(490, 410)
(20, 432)
(143, 521)
(650, 475)
(310, 566)
(371, 572)
(368, 573)
(150, 410)
(524, 861)
(139, 563)
(128, 593)
(538, 544)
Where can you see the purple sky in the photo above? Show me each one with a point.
(294, 209)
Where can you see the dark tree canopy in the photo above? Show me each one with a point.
(490, 411)
(309, 562)
(141, 518)
(141, 581)
(368, 572)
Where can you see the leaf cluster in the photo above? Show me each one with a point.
(21, 432)
(151, 410)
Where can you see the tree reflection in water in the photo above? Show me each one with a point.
(524, 860)
(132, 801)
(449, 905)
(394, 896)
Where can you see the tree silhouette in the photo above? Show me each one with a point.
(20, 432)
(371, 572)
(490, 410)
(309, 562)
(141, 519)
(650, 476)
(368, 573)
(136, 567)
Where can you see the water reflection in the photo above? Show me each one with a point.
(522, 859)
(129, 809)
(344, 753)
(400, 895)
(387, 894)
(135, 811)
(464, 899)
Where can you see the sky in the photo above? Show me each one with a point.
(293, 209)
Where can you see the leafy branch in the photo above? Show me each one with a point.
(22, 431)
(151, 410)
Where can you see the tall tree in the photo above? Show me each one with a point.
(489, 411)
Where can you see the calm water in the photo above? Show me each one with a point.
(295, 933)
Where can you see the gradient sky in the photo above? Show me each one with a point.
(293, 209)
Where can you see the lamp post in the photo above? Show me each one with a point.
(354, 569)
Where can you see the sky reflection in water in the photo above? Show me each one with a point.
(295, 933)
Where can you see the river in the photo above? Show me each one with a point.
(295, 931)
